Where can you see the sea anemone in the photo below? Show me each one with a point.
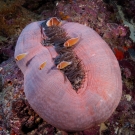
(53, 98)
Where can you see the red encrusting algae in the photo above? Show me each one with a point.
(119, 54)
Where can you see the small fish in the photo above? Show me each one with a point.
(54, 21)
(71, 42)
(42, 65)
(20, 56)
(63, 64)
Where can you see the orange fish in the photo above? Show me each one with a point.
(63, 64)
(20, 56)
(54, 21)
(71, 42)
(42, 65)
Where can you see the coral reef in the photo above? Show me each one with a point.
(14, 18)
(128, 7)
(16, 14)
(7, 48)
(98, 15)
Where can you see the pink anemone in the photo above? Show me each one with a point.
(53, 98)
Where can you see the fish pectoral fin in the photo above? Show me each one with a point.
(54, 21)
(20, 56)
(71, 42)
(42, 65)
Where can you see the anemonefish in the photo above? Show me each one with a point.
(20, 56)
(63, 64)
(71, 42)
(54, 21)
(42, 65)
